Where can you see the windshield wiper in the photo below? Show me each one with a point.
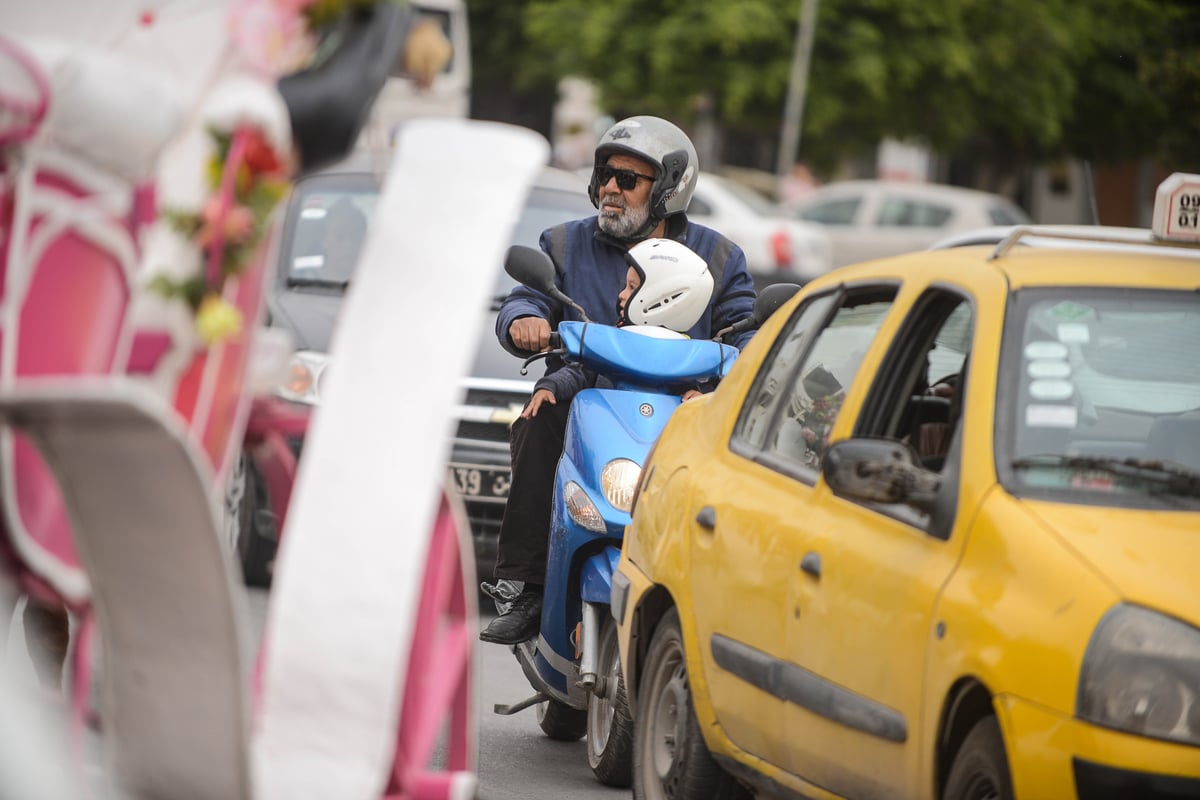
(1162, 475)
(323, 282)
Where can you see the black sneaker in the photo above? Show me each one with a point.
(520, 624)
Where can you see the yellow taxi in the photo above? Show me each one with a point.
(936, 535)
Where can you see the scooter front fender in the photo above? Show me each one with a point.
(596, 577)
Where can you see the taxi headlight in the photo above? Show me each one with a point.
(581, 508)
(1141, 675)
(619, 480)
(302, 383)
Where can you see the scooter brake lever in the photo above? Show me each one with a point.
(525, 364)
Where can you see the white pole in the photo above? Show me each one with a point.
(793, 110)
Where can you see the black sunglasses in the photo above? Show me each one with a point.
(626, 178)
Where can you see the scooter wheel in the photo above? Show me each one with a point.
(561, 722)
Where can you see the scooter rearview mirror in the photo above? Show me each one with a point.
(767, 303)
(530, 267)
(771, 298)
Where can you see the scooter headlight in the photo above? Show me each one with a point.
(619, 480)
(581, 508)
(1140, 676)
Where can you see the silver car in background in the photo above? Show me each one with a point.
(868, 219)
(778, 248)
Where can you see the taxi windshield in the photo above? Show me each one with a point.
(1106, 406)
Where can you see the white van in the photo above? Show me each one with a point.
(449, 96)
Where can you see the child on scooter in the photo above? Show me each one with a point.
(667, 286)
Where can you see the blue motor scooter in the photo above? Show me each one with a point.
(573, 664)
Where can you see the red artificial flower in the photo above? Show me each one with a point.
(236, 225)
(260, 156)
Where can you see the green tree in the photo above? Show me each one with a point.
(1003, 82)
(1139, 89)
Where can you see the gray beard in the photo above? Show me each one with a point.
(624, 224)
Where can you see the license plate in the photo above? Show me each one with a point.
(487, 484)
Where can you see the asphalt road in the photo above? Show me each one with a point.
(516, 760)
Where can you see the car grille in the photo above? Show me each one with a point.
(479, 465)
(488, 409)
(479, 431)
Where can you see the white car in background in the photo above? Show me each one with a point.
(779, 249)
(868, 219)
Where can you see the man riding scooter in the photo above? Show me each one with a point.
(669, 287)
(642, 182)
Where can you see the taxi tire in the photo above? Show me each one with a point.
(666, 702)
(980, 768)
(560, 722)
(610, 725)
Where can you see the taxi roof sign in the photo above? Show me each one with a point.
(1177, 208)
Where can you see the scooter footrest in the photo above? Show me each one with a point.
(500, 708)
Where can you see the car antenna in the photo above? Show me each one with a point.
(1090, 184)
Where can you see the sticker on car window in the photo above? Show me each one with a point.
(1051, 416)
(1073, 333)
(1070, 311)
(1051, 390)
(1049, 369)
(1053, 350)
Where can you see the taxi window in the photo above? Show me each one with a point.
(916, 397)
(778, 368)
(1105, 398)
(799, 391)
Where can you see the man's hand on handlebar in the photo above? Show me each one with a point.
(531, 334)
(535, 402)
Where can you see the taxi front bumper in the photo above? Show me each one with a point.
(1054, 756)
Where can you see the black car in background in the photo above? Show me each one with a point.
(326, 219)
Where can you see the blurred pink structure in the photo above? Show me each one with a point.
(119, 433)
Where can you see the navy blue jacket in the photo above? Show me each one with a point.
(591, 271)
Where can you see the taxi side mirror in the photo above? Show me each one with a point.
(880, 471)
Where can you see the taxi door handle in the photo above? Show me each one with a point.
(707, 518)
(811, 563)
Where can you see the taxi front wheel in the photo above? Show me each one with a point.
(980, 770)
(670, 759)
(610, 729)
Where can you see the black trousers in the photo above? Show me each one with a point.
(536, 445)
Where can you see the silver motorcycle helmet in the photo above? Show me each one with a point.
(667, 148)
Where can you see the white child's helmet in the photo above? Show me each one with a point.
(676, 285)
